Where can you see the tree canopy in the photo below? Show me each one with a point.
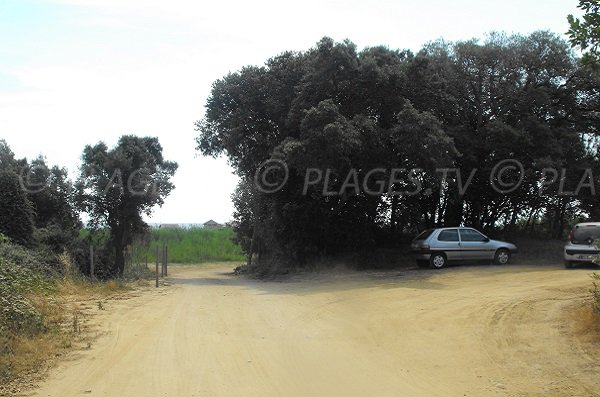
(585, 32)
(37, 202)
(465, 105)
(117, 186)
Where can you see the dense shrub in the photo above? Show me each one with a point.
(38, 260)
(17, 314)
(20, 275)
(103, 257)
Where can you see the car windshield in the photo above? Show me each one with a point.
(424, 234)
(585, 234)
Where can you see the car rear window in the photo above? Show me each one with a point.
(585, 234)
(424, 234)
(448, 235)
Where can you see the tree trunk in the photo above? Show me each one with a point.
(529, 219)
(118, 243)
(119, 259)
(513, 219)
(252, 244)
(394, 214)
(454, 211)
(560, 221)
(442, 210)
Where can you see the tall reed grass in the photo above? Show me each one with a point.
(193, 245)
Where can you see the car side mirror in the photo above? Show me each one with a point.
(486, 240)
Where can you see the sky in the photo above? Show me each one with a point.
(76, 72)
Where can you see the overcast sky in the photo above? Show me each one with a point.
(75, 72)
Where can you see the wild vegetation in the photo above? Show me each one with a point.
(35, 323)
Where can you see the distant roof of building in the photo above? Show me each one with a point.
(211, 223)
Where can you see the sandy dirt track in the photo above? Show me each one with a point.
(463, 331)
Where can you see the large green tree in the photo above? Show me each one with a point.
(117, 186)
(329, 108)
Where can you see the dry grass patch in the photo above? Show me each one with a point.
(25, 357)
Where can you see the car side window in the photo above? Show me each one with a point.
(471, 235)
(448, 235)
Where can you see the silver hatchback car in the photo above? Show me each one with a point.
(582, 244)
(437, 247)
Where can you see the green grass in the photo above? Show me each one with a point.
(195, 245)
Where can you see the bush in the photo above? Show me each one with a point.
(17, 314)
(22, 272)
(35, 260)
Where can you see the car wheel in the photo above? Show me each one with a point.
(437, 260)
(502, 256)
(568, 265)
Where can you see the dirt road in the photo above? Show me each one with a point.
(463, 331)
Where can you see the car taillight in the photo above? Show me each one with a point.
(570, 237)
(425, 248)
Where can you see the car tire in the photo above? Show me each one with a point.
(568, 265)
(438, 260)
(502, 256)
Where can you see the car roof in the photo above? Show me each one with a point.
(457, 227)
(587, 224)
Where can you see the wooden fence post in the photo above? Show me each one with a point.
(162, 262)
(157, 265)
(92, 262)
(166, 259)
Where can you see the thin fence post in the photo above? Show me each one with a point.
(162, 262)
(92, 262)
(166, 259)
(157, 265)
(146, 260)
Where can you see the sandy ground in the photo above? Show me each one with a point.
(463, 331)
